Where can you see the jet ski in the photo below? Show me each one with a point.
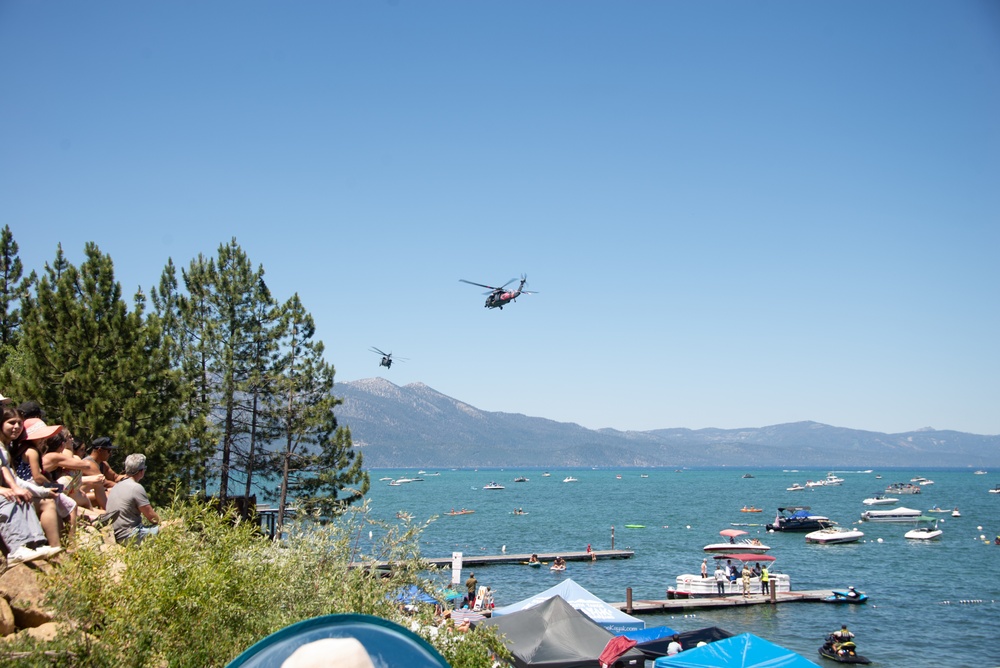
(841, 652)
(849, 596)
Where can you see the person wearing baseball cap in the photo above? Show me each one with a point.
(99, 451)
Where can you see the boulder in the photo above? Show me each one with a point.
(7, 625)
(19, 585)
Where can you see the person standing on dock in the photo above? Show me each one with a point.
(720, 579)
(747, 574)
(765, 580)
(470, 586)
(704, 568)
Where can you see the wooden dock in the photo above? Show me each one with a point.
(514, 558)
(648, 607)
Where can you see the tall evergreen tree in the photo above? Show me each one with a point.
(318, 463)
(11, 290)
(96, 366)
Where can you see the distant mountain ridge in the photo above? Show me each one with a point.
(417, 426)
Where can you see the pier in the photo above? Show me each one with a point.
(522, 557)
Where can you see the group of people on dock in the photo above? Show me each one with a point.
(51, 481)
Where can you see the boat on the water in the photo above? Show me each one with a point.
(570, 478)
(832, 479)
(903, 488)
(955, 513)
(980, 472)
(751, 509)
(995, 490)
(747, 475)
(748, 545)
(834, 535)
(923, 533)
(692, 585)
(796, 487)
(880, 500)
(546, 474)
(463, 511)
(892, 515)
(799, 518)
(920, 480)
(494, 485)
(937, 509)
(520, 478)
(815, 483)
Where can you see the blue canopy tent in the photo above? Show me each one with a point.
(651, 633)
(743, 651)
(608, 616)
(413, 594)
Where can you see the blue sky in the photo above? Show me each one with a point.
(735, 214)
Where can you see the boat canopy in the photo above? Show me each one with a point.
(742, 651)
(745, 556)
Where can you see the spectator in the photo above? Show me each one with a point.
(128, 499)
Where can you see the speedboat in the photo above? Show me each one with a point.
(494, 485)
(747, 475)
(570, 478)
(546, 474)
(815, 483)
(955, 513)
(796, 487)
(520, 478)
(831, 479)
(798, 518)
(995, 490)
(880, 500)
(834, 535)
(750, 546)
(892, 515)
(902, 488)
(923, 533)
(920, 480)
(980, 472)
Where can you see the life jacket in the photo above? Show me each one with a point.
(764, 576)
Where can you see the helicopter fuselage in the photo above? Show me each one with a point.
(498, 299)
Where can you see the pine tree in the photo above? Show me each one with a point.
(97, 367)
(11, 290)
(318, 462)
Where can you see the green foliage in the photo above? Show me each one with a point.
(203, 591)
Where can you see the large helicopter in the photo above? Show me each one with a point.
(497, 297)
(386, 358)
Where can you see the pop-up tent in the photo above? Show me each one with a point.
(656, 645)
(606, 615)
(743, 651)
(553, 634)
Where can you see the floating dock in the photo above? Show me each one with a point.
(521, 557)
(649, 607)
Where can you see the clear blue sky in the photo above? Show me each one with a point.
(736, 214)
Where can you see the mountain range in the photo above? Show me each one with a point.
(415, 426)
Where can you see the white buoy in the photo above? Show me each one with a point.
(503, 549)
(879, 540)
(687, 526)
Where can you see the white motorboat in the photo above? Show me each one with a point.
(834, 535)
(980, 472)
(902, 488)
(955, 513)
(920, 480)
(403, 481)
(744, 545)
(923, 533)
(831, 479)
(892, 515)
(880, 500)
(815, 483)
(796, 487)
(995, 490)
(494, 485)
(570, 478)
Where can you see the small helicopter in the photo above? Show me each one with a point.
(497, 297)
(386, 358)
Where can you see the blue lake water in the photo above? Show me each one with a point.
(935, 603)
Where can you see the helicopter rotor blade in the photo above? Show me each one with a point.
(379, 352)
(508, 283)
(490, 287)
